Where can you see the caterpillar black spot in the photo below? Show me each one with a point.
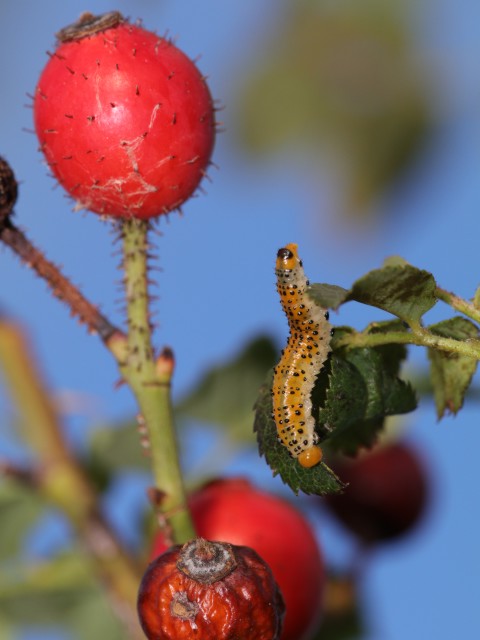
(307, 349)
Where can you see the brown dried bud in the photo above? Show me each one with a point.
(88, 24)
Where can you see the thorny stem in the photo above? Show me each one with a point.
(61, 287)
(150, 382)
(460, 304)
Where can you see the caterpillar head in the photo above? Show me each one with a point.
(287, 257)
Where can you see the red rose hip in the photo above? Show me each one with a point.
(124, 118)
(234, 510)
(387, 493)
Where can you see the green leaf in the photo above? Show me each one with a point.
(401, 289)
(63, 591)
(19, 510)
(352, 396)
(451, 373)
(338, 80)
(328, 296)
(7, 631)
(46, 592)
(364, 389)
(93, 618)
(319, 480)
(226, 394)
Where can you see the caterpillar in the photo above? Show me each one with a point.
(307, 349)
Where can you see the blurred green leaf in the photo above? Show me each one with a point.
(61, 591)
(19, 510)
(398, 288)
(226, 394)
(113, 449)
(93, 618)
(7, 632)
(40, 594)
(451, 373)
(341, 80)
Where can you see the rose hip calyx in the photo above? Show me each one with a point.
(88, 24)
(205, 561)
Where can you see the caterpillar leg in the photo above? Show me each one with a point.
(310, 457)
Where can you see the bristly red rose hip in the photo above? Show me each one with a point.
(124, 118)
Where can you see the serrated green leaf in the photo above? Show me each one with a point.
(226, 394)
(354, 393)
(20, 508)
(319, 480)
(364, 389)
(403, 290)
(451, 373)
(328, 296)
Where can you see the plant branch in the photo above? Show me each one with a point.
(61, 287)
(58, 477)
(420, 337)
(460, 304)
(150, 381)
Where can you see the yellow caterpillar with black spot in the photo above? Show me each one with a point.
(307, 349)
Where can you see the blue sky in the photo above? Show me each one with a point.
(424, 588)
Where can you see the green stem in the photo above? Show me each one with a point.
(420, 337)
(460, 304)
(150, 381)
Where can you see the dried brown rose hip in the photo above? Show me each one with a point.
(210, 591)
(8, 189)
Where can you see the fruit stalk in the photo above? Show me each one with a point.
(151, 385)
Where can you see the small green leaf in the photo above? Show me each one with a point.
(226, 394)
(451, 373)
(400, 289)
(318, 480)
(328, 296)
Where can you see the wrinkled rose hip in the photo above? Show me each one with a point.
(210, 591)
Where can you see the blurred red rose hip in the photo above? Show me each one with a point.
(387, 493)
(237, 512)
